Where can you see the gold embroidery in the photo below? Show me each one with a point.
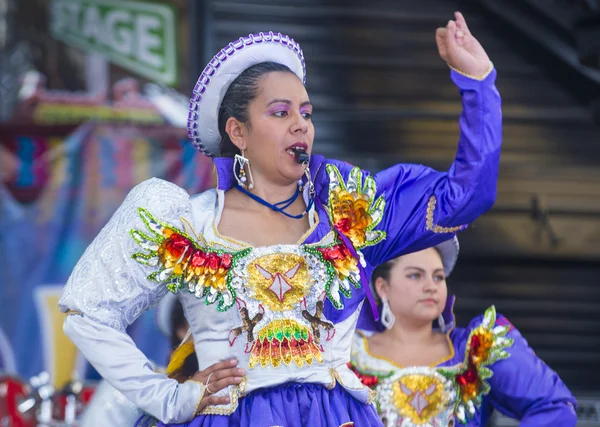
(284, 341)
(479, 78)
(434, 227)
(189, 229)
(279, 281)
(418, 397)
(203, 391)
(353, 208)
(335, 378)
(71, 312)
(237, 392)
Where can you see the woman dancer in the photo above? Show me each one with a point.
(425, 372)
(271, 266)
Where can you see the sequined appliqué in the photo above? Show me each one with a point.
(341, 271)
(284, 341)
(280, 295)
(370, 380)
(279, 281)
(436, 396)
(420, 397)
(417, 396)
(431, 226)
(486, 344)
(353, 209)
(181, 262)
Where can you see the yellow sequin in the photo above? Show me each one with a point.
(471, 76)
(434, 227)
(286, 341)
(353, 208)
(418, 397)
(350, 214)
(486, 339)
(279, 281)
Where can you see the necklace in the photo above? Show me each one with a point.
(280, 206)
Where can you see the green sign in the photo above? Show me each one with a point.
(139, 36)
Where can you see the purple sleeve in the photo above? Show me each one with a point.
(425, 207)
(525, 388)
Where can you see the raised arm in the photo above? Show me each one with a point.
(412, 206)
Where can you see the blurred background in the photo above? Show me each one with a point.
(93, 99)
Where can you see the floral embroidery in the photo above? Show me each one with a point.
(486, 344)
(183, 263)
(342, 271)
(369, 380)
(284, 341)
(428, 396)
(421, 397)
(279, 281)
(281, 293)
(353, 209)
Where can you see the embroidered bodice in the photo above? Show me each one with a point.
(265, 306)
(490, 366)
(287, 312)
(437, 395)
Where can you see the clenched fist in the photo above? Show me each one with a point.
(457, 46)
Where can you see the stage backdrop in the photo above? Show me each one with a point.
(56, 193)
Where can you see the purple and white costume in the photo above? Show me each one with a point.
(288, 313)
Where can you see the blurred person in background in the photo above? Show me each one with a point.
(427, 372)
(272, 265)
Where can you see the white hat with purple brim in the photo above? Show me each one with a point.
(223, 69)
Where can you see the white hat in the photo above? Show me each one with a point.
(449, 253)
(223, 69)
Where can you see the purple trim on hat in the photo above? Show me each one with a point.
(220, 58)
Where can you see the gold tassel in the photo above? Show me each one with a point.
(179, 355)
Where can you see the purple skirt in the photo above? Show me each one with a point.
(293, 405)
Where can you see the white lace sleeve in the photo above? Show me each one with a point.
(107, 284)
(108, 290)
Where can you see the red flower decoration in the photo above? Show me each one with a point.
(468, 377)
(337, 252)
(198, 259)
(213, 261)
(177, 245)
(226, 260)
(367, 380)
(343, 225)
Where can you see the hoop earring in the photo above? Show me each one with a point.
(442, 323)
(240, 165)
(387, 317)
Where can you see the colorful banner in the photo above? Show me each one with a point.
(56, 194)
(45, 107)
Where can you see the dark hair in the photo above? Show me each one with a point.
(178, 321)
(383, 271)
(242, 91)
